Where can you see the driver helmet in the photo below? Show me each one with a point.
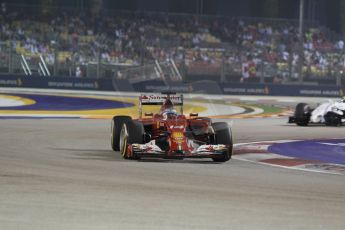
(169, 114)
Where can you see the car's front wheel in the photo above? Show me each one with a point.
(302, 114)
(116, 126)
(131, 133)
(223, 135)
(332, 119)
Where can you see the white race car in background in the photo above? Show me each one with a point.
(331, 113)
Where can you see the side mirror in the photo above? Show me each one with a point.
(193, 114)
(149, 114)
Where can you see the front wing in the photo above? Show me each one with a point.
(203, 151)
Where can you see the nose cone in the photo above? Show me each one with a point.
(178, 141)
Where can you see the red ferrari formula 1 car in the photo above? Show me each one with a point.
(168, 134)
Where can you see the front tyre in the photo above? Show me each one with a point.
(223, 135)
(116, 126)
(302, 114)
(123, 142)
(131, 133)
(332, 119)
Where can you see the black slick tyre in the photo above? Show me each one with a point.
(116, 126)
(302, 114)
(332, 119)
(223, 135)
(131, 132)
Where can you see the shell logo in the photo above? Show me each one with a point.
(177, 135)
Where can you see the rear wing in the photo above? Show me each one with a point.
(159, 99)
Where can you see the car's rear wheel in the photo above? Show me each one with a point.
(302, 114)
(116, 126)
(223, 135)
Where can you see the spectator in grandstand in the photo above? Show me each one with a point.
(119, 75)
(124, 40)
(78, 72)
(3, 7)
(340, 45)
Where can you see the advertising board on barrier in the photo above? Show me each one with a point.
(282, 90)
(206, 87)
(243, 89)
(322, 92)
(64, 83)
(159, 86)
(306, 90)
(13, 82)
(71, 84)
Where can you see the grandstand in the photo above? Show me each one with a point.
(77, 43)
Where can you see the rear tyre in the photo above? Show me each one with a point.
(116, 126)
(302, 114)
(131, 133)
(223, 135)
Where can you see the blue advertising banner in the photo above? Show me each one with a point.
(282, 90)
(64, 83)
(207, 87)
(150, 86)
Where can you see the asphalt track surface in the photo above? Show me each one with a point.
(62, 174)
